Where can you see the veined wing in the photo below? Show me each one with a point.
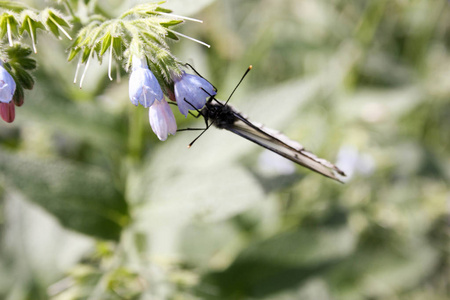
(282, 145)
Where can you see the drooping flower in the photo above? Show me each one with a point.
(191, 92)
(8, 111)
(7, 85)
(162, 119)
(143, 87)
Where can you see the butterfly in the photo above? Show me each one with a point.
(223, 116)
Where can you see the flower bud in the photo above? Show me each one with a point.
(7, 111)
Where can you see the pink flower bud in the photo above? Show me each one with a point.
(7, 111)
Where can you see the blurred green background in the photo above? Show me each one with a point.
(93, 206)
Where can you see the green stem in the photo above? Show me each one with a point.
(70, 10)
(135, 134)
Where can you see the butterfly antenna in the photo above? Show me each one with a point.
(239, 83)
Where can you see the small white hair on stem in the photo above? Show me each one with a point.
(77, 70)
(110, 59)
(189, 38)
(86, 68)
(179, 17)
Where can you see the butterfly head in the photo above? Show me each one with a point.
(220, 114)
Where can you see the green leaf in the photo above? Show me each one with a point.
(106, 43)
(86, 54)
(24, 78)
(20, 64)
(18, 51)
(172, 36)
(73, 52)
(19, 96)
(83, 198)
(58, 19)
(14, 25)
(28, 63)
(6, 19)
(118, 47)
(54, 22)
(379, 272)
(164, 10)
(96, 49)
(284, 260)
(30, 25)
(74, 49)
(52, 27)
(3, 26)
(171, 23)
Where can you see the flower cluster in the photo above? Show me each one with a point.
(7, 89)
(190, 91)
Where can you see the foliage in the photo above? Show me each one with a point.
(93, 206)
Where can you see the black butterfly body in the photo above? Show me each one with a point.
(224, 116)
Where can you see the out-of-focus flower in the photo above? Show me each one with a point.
(7, 85)
(351, 161)
(162, 119)
(191, 92)
(7, 111)
(144, 87)
(273, 164)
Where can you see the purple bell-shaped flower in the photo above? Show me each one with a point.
(7, 85)
(191, 92)
(143, 87)
(162, 119)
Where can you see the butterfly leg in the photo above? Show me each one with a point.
(195, 116)
(190, 129)
(191, 113)
(199, 113)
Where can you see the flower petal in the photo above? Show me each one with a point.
(7, 85)
(191, 92)
(162, 119)
(143, 87)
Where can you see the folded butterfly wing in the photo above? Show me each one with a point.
(282, 145)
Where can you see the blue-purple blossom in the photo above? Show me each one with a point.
(162, 119)
(191, 92)
(7, 85)
(144, 87)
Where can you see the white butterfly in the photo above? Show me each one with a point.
(224, 116)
